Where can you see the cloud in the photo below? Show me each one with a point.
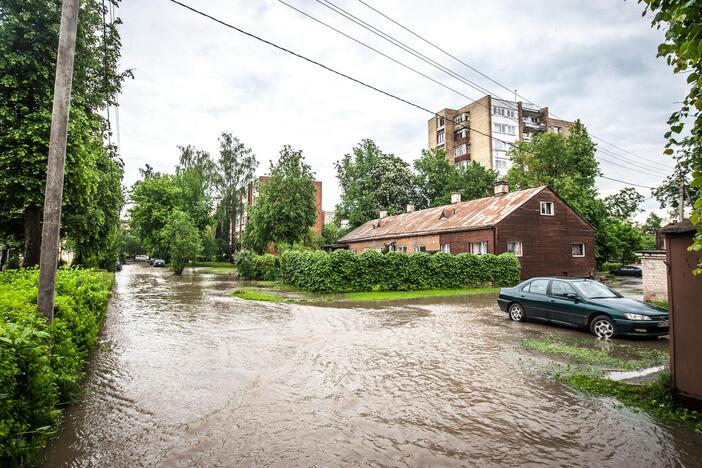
(593, 60)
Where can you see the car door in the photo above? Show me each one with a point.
(534, 298)
(564, 309)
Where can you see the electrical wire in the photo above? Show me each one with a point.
(341, 74)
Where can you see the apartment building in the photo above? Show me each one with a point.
(484, 130)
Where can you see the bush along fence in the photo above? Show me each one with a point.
(344, 271)
(41, 366)
(258, 267)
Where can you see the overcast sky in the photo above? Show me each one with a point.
(592, 60)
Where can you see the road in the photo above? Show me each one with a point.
(187, 376)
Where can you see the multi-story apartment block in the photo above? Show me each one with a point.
(484, 130)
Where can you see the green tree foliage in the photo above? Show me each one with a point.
(371, 181)
(28, 45)
(623, 239)
(668, 193)
(436, 179)
(682, 22)
(232, 175)
(332, 232)
(653, 224)
(285, 208)
(624, 204)
(182, 240)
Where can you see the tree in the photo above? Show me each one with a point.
(285, 208)
(624, 204)
(194, 178)
(682, 21)
(624, 240)
(436, 179)
(372, 181)
(154, 199)
(332, 232)
(28, 45)
(653, 224)
(233, 173)
(182, 240)
(668, 193)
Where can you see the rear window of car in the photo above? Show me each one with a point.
(537, 286)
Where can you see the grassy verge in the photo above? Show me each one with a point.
(593, 357)
(654, 397)
(268, 291)
(216, 267)
(663, 304)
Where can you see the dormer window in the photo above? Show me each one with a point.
(546, 208)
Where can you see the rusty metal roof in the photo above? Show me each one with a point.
(468, 215)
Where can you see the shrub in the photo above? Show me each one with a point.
(258, 267)
(609, 266)
(41, 366)
(343, 271)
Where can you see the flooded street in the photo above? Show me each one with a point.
(188, 376)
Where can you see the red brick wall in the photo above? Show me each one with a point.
(546, 240)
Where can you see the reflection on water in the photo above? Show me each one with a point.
(190, 376)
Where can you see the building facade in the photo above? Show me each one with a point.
(543, 231)
(483, 130)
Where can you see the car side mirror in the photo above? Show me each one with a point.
(572, 296)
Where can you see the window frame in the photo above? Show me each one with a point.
(480, 249)
(543, 203)
(448, 250)
(418, 248)
(441, 136)
(582, 244)
(521, 248)
(401, 248)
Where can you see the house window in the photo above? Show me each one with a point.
(446, 248)
(439, 122)
(546, 208)
(478, 248)
(515, 247)
(460, 150)
(577, 250)
(440, 137)
(420, 248)
(353, 250)
(401, 248)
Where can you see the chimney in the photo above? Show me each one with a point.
(383, 214)
(501, 188)
(410, 208)
(455, 198)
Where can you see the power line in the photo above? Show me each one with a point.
(339, 10)
(491, 79)
(343, 75)
(625, 182)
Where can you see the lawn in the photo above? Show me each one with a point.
(215, 267)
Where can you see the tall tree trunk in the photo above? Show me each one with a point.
(32, 236)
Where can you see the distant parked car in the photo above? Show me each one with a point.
(582, 303)
(141, 258)
(118, 266)
(159, 263)
(151, 261)
(627, 270)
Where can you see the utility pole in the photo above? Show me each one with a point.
(681, 201)
(50, 233)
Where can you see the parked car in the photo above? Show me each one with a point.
(118, 266)
(141, 258)
(582, 303)
(627, 270)
(159, 263)
(151, 261)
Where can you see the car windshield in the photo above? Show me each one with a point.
(594, 290)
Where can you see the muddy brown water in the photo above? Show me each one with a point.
(188, 376)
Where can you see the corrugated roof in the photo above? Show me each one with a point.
(472, 214)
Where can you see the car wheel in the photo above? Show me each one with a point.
(516, 312)
(603, 327)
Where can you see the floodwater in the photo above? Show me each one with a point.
(188, 376)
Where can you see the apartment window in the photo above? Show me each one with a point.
(478, 248)
(420, 248)
(546, 208)
(499, 145)
(504, 128)
(439, 122)
(440, 137)
(577, 250)
(460, 118)
(460, 150)
(401, 248)
(463, 164)
(500, 163)
(446, 248)
(503, 111)
(515, 247)
(460, 134)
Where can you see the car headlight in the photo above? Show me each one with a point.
(631, 316)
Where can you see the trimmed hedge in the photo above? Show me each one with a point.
(344, 271)
(258, 267)
(41, 366)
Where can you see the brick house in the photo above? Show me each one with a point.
(547, 235)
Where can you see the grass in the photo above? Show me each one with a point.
(215, 267)
(252, 295)
(594, 357)
(663, 304)
(654, 397)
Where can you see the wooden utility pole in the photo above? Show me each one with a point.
(50, 233)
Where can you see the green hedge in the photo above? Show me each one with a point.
(344, 271)
(258, 267)
(41, 366)
(609, 266)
